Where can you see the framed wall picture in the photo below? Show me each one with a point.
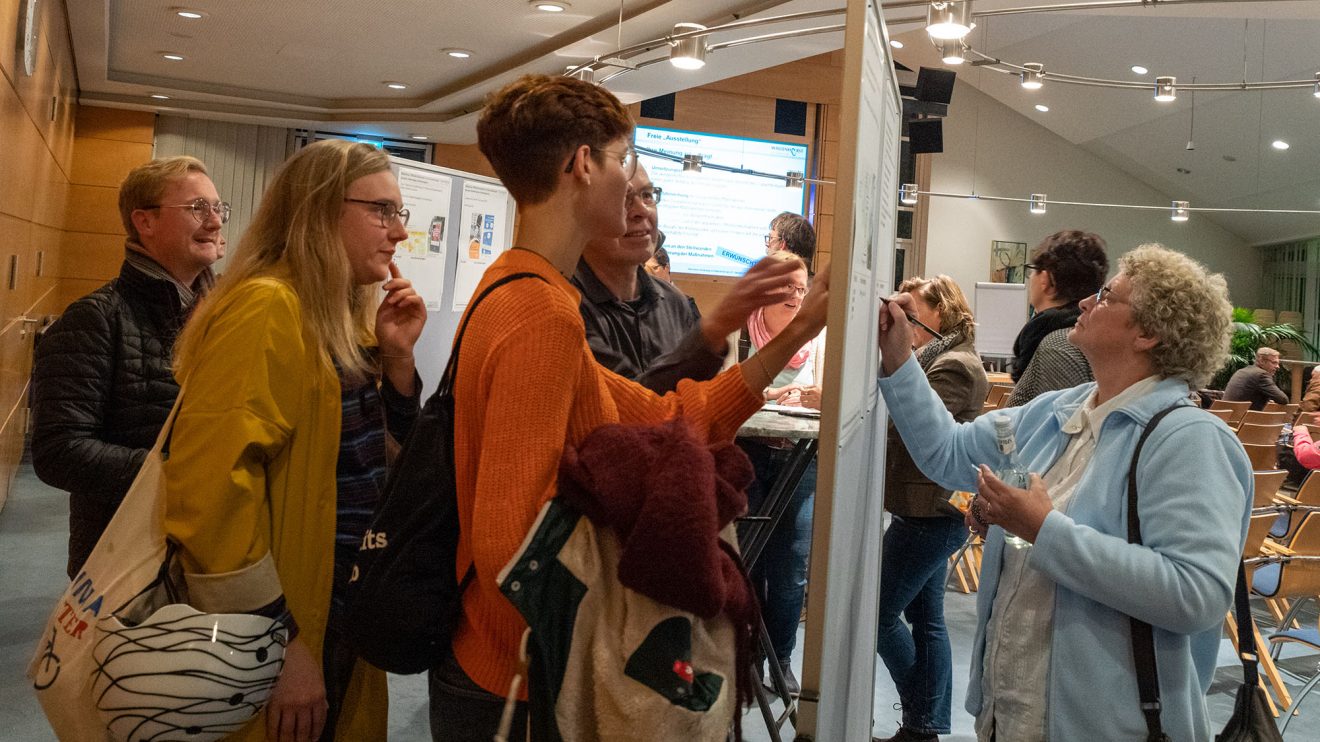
(1008, 262)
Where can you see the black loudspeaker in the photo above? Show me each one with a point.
(935, 85)
(790, 117)
(925, 137)
(660, 107)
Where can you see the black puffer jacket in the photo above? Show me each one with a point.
(102, 390)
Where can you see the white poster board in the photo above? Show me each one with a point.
(483, 225)
(442, 203)
(1000, 310)
(426, 195)
(839, 657)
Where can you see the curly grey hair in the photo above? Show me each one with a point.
(1185, 306)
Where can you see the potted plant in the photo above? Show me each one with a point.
(1248, 337)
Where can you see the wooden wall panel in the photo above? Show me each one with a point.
(465, 157)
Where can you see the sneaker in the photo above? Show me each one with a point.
(907, 735)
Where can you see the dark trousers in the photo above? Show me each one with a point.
(462, 711)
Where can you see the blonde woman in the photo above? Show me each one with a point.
(279, 442)
(926, 529)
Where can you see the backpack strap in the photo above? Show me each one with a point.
(1143, 636)
(447, 381)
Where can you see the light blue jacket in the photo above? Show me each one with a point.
(1194, 488)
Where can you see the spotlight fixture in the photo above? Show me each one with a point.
(692, 163)
(951, 51)
(550, 6)
(189, 13)
(1033, 75)
(1279, 144)
(949, 19)
(896, 43)
(419, 137)
(172, 56)
(1038, 203)
(1180, 211)
(793, 179)
(457, 53)
(1138, 69)
(1042, 108)
(581, 72)
(160, 96)
(690, 53)
(1166, 89)
(395, 85)
(907, 194)
(1317, 85)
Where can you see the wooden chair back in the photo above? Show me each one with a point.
(1264, 456)
(1257, 530)
(1308, 493)
(1261, 417)
(1308, 418)
(1267, 484)
(1256, 433)
(1225, 415)
(1291, 409)
(1301, 578)
(998, 393)
(1237, 408)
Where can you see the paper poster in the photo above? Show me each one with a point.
(421, 257)
(484, 232)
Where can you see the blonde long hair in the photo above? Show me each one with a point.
(295, 236)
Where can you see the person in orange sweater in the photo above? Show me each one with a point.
(527, 384)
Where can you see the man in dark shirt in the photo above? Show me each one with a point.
(1255, 384)
(646, 329)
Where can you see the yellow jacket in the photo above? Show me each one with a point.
(250, 478)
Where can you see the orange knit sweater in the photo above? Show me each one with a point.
(526, 385)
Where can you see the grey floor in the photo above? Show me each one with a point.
(33, 527)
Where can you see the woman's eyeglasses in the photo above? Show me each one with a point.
(385, 210)
(201, 209)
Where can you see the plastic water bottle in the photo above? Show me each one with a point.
(1013, 473)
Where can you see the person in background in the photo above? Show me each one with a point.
(926, 529)
(1311, 397)
(1052, 655)
(1065, 267)
(658, 265)
(292, 370)
(645, 329)
(780, 575)
(792, 232)
(102, 380)
(1255, 383)
(527, 385)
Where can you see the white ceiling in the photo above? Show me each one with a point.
(323, 63)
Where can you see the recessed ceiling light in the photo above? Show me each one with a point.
(188, 13)
(395, 85)
(458, 53)
(419, 137)
(896, 43)
(1139, 69)
(172, 56)
(1279, 144)
(550, 6)
(158, 96)
(1042, 108)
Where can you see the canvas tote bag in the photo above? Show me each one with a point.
(127, 559)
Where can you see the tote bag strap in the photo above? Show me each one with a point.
(1143, 636)
(1245, 624)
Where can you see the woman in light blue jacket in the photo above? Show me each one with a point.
(1052, 657)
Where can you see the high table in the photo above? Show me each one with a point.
(1295, 367)
(754, 530)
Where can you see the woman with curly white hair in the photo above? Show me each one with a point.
(1053, 656)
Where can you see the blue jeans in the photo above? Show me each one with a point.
(780, 574)
(913, 568)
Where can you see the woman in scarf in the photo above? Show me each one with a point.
(925, 528)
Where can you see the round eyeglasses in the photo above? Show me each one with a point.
(627, 159)
(650, 196)
(201, 209)
(386, 210)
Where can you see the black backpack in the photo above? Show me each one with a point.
(403, 598)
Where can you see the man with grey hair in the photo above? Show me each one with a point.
(1255, 383)
(103, 383)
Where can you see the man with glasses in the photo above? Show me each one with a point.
(103, 385)
(644, 328)
(791, 232)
